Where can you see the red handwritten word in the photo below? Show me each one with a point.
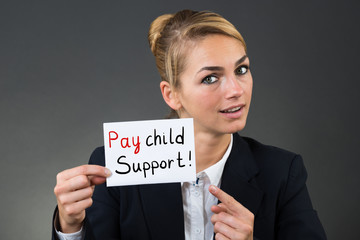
(125, 142)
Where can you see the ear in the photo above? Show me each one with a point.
(170, 95)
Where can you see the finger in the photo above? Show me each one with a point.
(87, 170)
(221, 195)
(76, 196)
(72, 184)
(227, 219)
(244, 223)
(95, 180)
(228, 232)
(76, 183)
(75, 209)
(219, 236)
(219, 208)
(232, 205)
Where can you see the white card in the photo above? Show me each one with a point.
(144, 152)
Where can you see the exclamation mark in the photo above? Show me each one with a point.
(190, 158)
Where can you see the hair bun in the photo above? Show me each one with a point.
(156, 28)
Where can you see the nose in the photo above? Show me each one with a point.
(233, 88)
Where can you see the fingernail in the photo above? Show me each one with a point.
(107, 172)
(213, 189)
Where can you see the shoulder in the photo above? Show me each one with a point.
(269, 155)
(272, 162)
(281, 174)
(261, 151)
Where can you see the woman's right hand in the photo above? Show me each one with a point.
(74, 189)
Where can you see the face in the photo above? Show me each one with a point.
(216, 85)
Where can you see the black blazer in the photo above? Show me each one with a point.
(269, 181)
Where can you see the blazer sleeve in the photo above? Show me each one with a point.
(296, 217)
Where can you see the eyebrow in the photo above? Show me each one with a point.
(217, 68)
(241, 60)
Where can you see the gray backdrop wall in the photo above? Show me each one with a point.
(68, 66)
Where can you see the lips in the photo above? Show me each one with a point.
(232, 109)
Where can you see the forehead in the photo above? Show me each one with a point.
(214, 50)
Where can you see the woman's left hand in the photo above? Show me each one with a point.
(231, 219)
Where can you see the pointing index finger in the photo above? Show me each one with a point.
(228, 202)
(221, 195)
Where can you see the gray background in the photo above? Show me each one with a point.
(68, 66)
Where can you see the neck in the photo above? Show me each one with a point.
(209, 149)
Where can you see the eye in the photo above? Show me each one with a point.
(209, 79)
(242, 70)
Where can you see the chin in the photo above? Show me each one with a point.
(236, 128)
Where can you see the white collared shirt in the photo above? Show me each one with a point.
(197, 201)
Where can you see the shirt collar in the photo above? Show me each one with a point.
(215, 171)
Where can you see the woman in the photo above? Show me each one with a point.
(244, 190)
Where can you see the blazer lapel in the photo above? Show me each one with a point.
(238, 176)
(163, 210)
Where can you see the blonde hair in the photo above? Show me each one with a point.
(169, 34)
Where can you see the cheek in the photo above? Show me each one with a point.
(199, 102)
(249, 95)
(250, 87)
